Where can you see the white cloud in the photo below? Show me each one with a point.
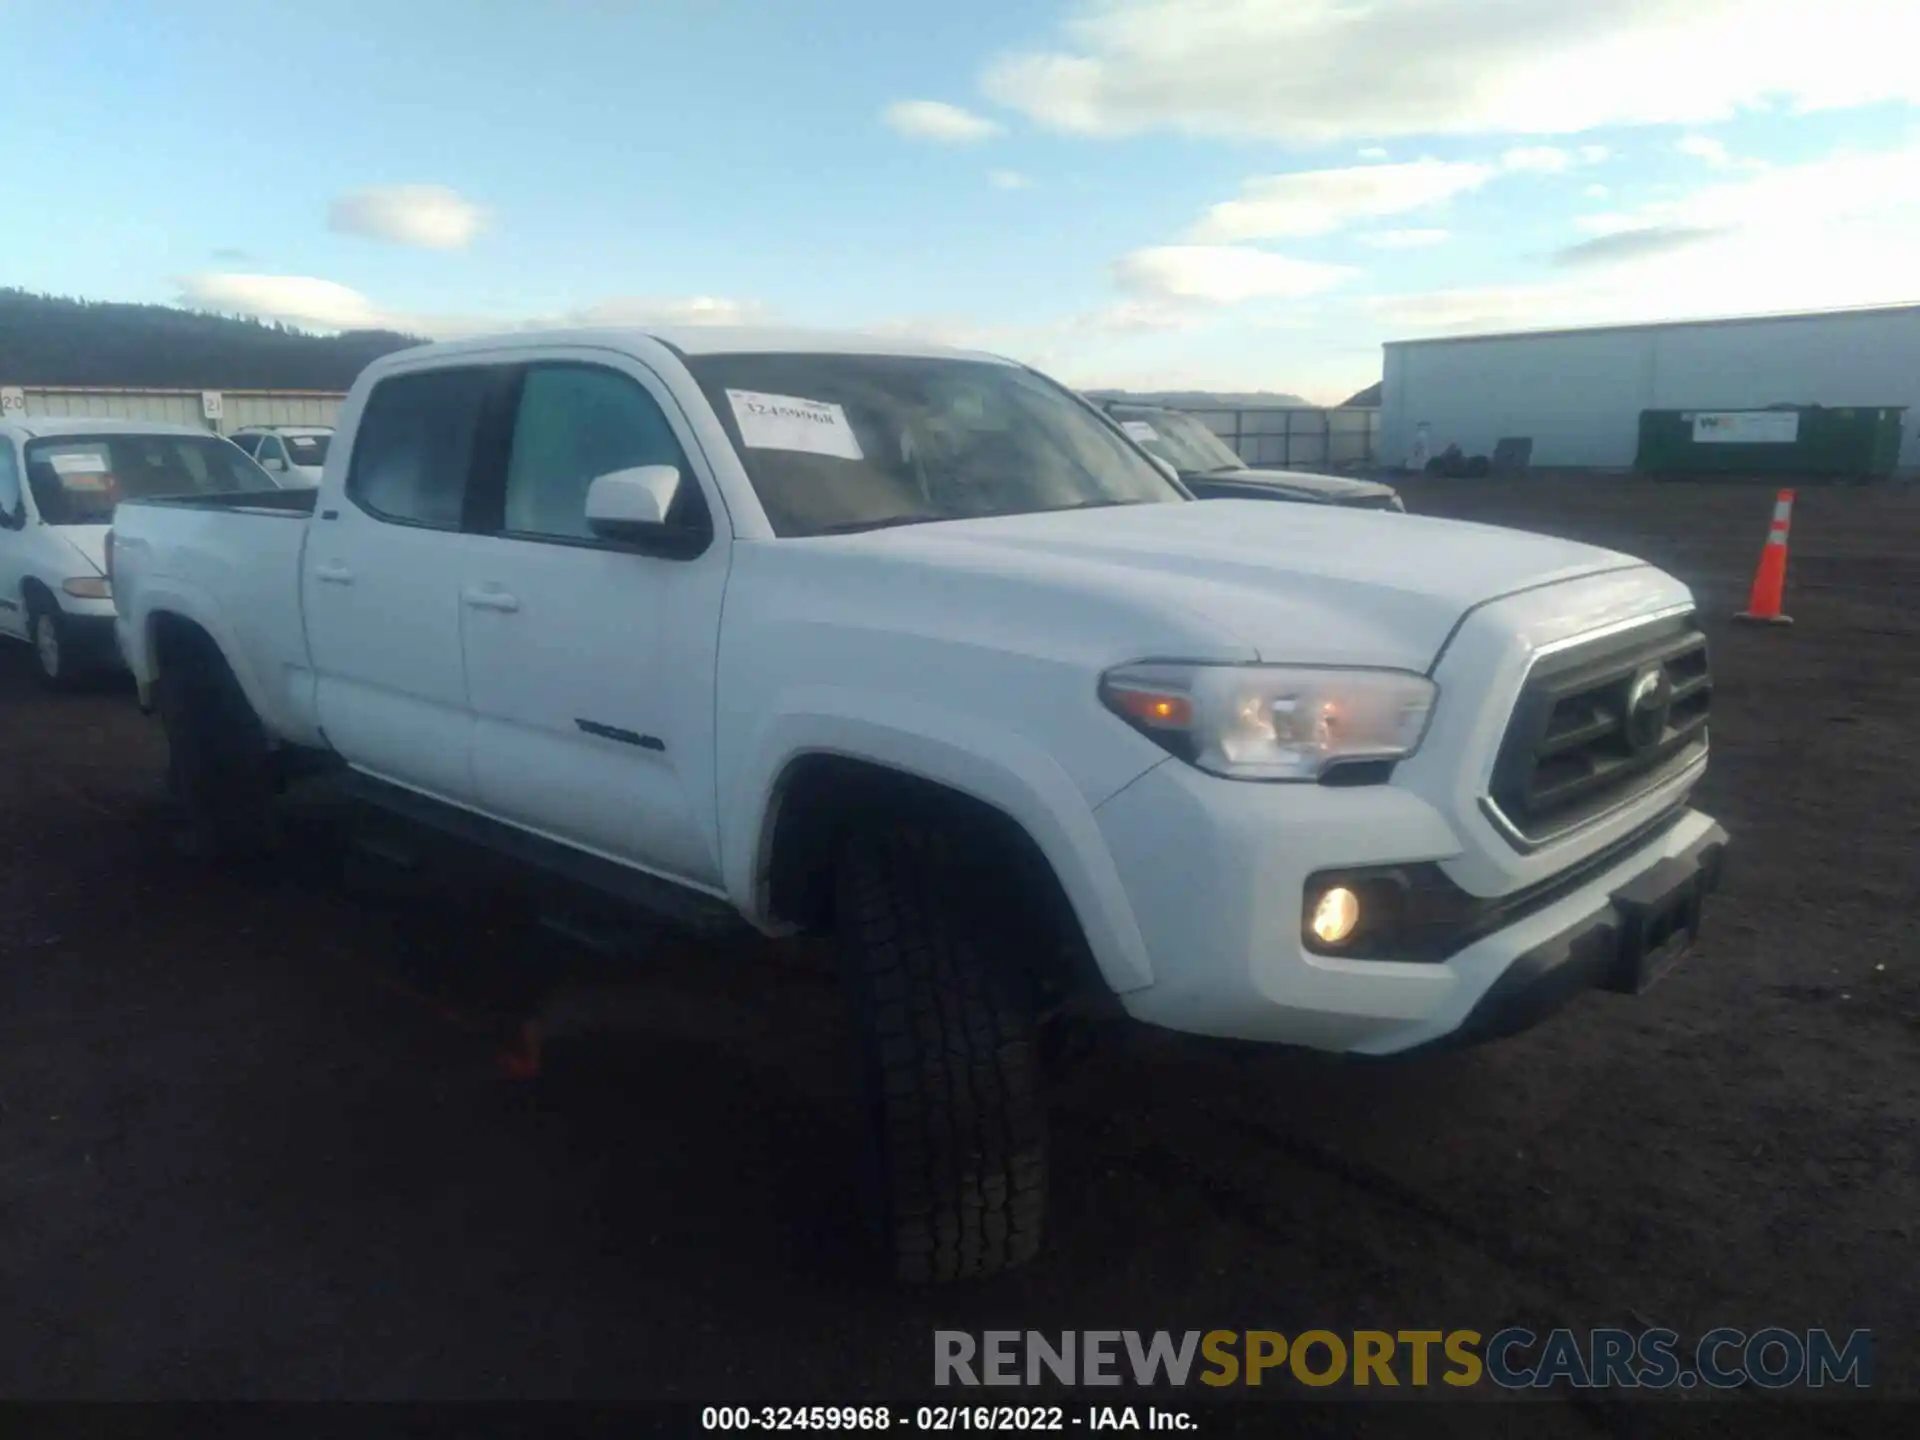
(1375, 152)
(1706, 149)
(1318, 202)
(639, 310)
(325, 305)
(1596, 192)
(1010, 180)
(1848, 185)
(1551, 159)
(1222, 274)
(1414, 67)
(1536, 160)
(1402, 239)
(429, 216)
(1824, 234)
(938, 121)
(296, 299)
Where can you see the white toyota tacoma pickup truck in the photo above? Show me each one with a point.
(915, 647)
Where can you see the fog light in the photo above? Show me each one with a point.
(1337, 915)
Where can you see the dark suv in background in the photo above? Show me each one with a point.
(1209, 468)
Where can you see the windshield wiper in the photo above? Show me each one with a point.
(856, 527)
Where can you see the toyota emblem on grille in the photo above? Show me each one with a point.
(1647, 704)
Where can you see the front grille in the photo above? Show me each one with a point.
(1600, 723)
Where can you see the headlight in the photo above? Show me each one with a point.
(1267, 722)
(88, 587)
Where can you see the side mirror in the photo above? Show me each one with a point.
(632, 504)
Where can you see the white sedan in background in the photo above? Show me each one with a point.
(293, 454)
(60, 480)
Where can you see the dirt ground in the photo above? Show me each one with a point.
(253, 1142)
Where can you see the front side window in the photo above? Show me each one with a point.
(248, 443)
(576, 423)
(414, 447)
(270, 454)
(79, 480)
(840, 443)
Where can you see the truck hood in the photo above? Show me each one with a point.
(1290, 583)
(89, 540)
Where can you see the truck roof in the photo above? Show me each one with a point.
(703, 340)
(48, 427)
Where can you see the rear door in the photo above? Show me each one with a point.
(590, 666)
(381, 584)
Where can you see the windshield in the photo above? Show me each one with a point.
(838, 443)
(78, 481)
(1182, 441)
(307, 449)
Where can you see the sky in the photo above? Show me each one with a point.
(1146, 194)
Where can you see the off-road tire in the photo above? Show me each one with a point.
(949, 1057)
(220, 772)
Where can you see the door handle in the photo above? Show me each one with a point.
(333, 573)
(481, 599)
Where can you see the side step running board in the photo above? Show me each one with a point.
(685, 909)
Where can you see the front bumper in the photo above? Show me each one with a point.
(1623, 947)
(1216, 871)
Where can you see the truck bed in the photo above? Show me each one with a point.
(229, 564)
(295, 503)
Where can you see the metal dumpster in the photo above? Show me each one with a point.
(1836, 442)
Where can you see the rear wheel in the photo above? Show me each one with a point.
(219, 766)
(950, 1059)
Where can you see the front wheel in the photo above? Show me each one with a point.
(948, 1043)
(52, 656)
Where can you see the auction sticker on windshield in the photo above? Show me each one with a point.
(787, 422)
(78, 462)
(1140, 430)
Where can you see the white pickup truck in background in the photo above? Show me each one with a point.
(915, 647)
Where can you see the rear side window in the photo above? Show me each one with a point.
(414, 448)
(248, 443)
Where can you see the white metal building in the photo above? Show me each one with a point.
(1578, 393)
(221, 412)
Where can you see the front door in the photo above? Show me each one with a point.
(14, 541)
(590, 667)
(381, 587)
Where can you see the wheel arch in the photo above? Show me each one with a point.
(821, 797)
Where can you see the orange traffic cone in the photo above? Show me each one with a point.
(1770, 578)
